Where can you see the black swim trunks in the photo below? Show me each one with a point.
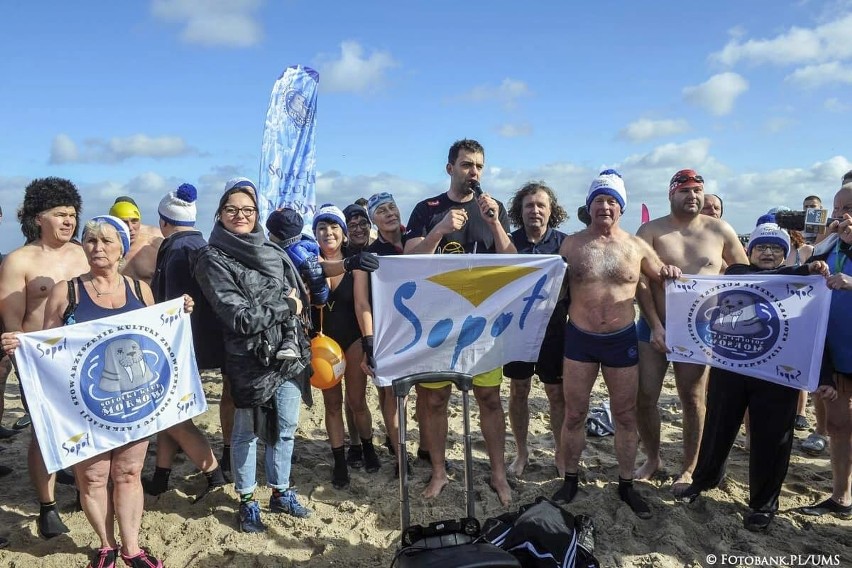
(616, 349)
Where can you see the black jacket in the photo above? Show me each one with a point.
(172, 278)
(252, 308)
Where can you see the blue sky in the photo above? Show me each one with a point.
(138, 97)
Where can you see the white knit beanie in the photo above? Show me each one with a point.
(178, 207)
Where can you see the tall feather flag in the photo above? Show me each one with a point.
(646, 215)
(288, 154)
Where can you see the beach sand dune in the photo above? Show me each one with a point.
(360, 526)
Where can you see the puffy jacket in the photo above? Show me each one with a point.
(251, 307)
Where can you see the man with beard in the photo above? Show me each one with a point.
(48, 219)
(458, 221)
(697, 244)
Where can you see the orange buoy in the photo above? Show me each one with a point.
(328, 362)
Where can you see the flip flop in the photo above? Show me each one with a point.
(22, 422)
(814, 444)
(801, 423)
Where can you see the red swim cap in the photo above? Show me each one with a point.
(682, 178)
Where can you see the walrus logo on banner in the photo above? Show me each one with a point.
(122, 378)
(103, 383)
(752, 324)
(298, 108)
(742, 324)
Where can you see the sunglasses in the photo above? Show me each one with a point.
(684, 178)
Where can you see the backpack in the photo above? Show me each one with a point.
(544, 535)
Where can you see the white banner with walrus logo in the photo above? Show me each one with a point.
(469, 313)
(98, 385)
(771, 327)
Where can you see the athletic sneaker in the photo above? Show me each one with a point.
(141, 560)
(104, 558)
(250, 518)
(287, 503)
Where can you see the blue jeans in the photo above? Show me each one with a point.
(278, 458)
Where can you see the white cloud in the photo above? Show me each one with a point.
(646, 128)
(813, 76)
(835, 105)
(63, 150)
(690, 154)
(515, 130)
(97, 150)
(756, 192)
(353, 72)
(777, 124)
(795, 46)
(228, 23)
(718, 93)
(507, 93)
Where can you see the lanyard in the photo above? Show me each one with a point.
(839, 259)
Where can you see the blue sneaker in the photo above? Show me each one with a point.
(250, 518)
(287, 503)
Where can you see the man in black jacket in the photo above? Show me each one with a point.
(172, 278)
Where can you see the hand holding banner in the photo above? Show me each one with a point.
(95, 386)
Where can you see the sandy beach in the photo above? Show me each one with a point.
(360, 526)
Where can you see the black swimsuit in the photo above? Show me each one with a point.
(339, 321)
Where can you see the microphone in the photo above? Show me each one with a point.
(477, 191)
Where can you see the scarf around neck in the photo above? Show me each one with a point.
(251, 249)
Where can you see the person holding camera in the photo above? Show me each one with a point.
(836, 377)
(253, 288)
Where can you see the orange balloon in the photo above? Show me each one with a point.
(328, 362)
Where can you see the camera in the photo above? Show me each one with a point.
(809, 221)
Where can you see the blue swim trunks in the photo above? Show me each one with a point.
(643, 330)
(616, 349)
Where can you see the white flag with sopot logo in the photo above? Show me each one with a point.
(469, 313)
(771, 327)
(98, 385)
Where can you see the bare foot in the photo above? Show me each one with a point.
(502, 489)
(519, 464)
(647, 470)
(435, 486)
(681, 483)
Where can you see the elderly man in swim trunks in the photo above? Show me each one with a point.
(457, 221)
(697, 244)
(604, 266)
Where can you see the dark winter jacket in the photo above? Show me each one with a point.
(172, 279)
(252, 308)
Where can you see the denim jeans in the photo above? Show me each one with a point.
(278, 458)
